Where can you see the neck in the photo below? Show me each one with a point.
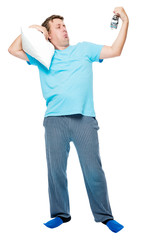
(61, 48)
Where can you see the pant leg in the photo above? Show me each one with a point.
(57, 151)
(85, 139)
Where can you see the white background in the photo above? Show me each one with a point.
(126, 100)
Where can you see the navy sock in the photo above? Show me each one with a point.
(113, 225)
(57, 221)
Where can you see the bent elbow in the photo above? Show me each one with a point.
(118, 54)
(10, 50)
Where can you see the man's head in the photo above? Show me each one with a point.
(57, 32)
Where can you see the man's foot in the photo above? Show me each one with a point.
(114, 226)
(57, 221)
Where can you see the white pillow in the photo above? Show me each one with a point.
(35, 44)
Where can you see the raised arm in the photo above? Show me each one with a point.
(16, 47)
(116, 48)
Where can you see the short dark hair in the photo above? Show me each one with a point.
(46, 22)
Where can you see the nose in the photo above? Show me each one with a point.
(64, 28)
(65, 31)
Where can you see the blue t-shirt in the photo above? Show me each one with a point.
(67, 86)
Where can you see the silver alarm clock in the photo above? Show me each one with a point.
(114, 22)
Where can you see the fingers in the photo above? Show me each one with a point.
(118, 10)
(46, 37)
(46, 34)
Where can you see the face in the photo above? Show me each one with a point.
(58, 35)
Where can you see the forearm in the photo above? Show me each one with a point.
(120, 40)
(38, 27)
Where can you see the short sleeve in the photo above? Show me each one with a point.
(32, 60)
(93, 51)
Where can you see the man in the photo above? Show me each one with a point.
(70, 116)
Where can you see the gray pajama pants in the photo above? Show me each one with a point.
(82, 131)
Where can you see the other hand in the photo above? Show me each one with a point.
(41, 29)
(121, 13)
